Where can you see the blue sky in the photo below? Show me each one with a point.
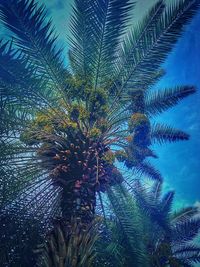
(179, 163)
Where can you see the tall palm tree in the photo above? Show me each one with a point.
(62, 128)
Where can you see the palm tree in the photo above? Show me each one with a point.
(62, 128)
(144, 231)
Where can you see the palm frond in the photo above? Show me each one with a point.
(132, 44)
(23, 183)
(166, 203)
(163, 133)
(12, 65)
(11, 166)
(81, 47)
(36, 39)
(148, 170)
(159, 101)
(185, 231)
(97, 29)
(112, 21)
(183, 214)
(13, 120)
(153, 79)
(109, 247)
(129, 218)
(28, 93)
(188, 254)
(159, 42)
(156, 190)
(155, 208)
(145, 199)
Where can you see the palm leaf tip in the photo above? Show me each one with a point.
(184, 215)
(161, 100)
(166, 202)
(164, 133)
(148, 170)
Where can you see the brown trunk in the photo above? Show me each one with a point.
(79, 201)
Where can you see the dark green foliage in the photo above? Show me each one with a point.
(165, 238)
(175, 231)
(185, 231)
(68, 246)
(21, 95)
(111, 243)
(129, 228)
(19, 235)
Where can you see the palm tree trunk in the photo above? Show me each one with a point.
(79, 201)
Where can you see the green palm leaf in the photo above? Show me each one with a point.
(159, 101)
(184, 214)
(185, 231)
(133, 42)
(81, 47)
(155, 207)
(36, 39)
(171, 240)
(112, 21)
(188, 254)
(129, 218)
(29, 93)
(163, 133)
(97, 29)
(146, 168)
(159, 42)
